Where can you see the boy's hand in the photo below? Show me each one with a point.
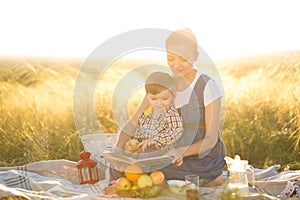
(146, 143)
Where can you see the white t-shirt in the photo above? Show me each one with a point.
(211, 92)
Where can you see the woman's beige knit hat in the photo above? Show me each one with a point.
(182, 37)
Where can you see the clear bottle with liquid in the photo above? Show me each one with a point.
(237, 179)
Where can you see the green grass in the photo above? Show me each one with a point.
(262, 109)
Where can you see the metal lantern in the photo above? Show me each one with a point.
(87, 169)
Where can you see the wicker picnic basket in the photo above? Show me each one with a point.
(144, 193)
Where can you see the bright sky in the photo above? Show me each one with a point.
(75, 28)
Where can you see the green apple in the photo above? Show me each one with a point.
(144, 181)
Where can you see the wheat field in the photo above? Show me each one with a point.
(262, 122)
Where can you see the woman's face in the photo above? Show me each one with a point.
(181, 62)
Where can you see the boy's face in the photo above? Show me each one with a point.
(162, 100)
(181, 59)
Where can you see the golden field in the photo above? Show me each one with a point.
(262, 94)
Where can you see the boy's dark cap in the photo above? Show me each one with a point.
(161, 78)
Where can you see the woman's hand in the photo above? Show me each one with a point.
(177, 154)
(145, 103)
(178, 161)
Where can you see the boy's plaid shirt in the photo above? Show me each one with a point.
(165, 129)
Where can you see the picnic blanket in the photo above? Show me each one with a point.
(58, 179)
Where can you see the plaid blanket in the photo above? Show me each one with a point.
(57, 179)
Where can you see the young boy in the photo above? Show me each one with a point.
(161, 124)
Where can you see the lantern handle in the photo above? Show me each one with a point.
(85, 155)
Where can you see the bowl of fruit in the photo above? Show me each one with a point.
(136, 184)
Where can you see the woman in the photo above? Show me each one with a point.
(200, 150)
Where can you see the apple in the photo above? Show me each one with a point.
(157, 177)
(132, 145)
(123, 184)
(144, 181)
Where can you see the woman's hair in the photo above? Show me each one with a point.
(182, 37)
(158, 81)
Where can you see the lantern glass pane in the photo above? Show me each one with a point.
(85, 174)
(79, 175)
(94, 173)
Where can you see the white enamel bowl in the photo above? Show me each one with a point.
(177, 186)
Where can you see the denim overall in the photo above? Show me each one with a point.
(207, 165)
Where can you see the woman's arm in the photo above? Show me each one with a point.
(212, 120)
(129, 129)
